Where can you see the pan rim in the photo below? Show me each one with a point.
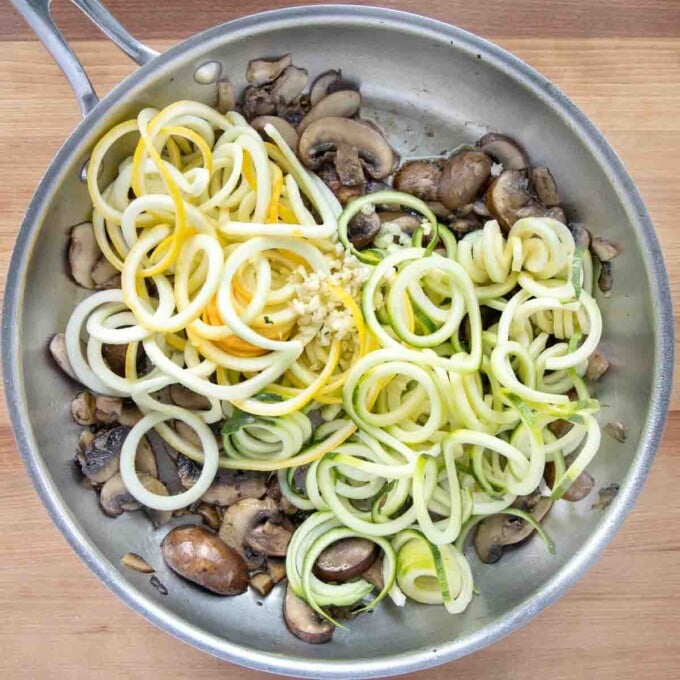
(651, 433)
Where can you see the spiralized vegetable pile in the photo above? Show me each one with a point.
(415, 383)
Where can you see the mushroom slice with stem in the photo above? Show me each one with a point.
(289, 84)
(374, 574)
(83, 408)
(303, 622)
(405, 221)
(419, 178)
(57, 348)
(210, 514)
(155, 486)
(345, 559)
(322, 85)
(284, 128)
(597, 366)
(604, 250)
(225, 95)
(269, 539)
(545, 187)
(107, 410)
(504, 150)
(462, 177)
(340, 104)
(258, 101)
(498, 531)
(200, 556)
(262, 583)
(83, 254)
(115, 499)
(348, 166)
(324, 135)
(262, 71)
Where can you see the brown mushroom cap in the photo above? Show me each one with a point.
(345, 560)
(83, 408)
(115, 499)
(325, 134)
(303, 622)
(199, 555)
(504, 150)
(57, 348)
(107, 410)
(348, 166)
(597, 366)
(419, 178)
(322, 84)
(498, 531)
(262, 583)
(186, 398)
(269, 539)
(463, 175)
(262, 71)
(340, 104)
(507, 195)
(83, 254)
(284, 128)
(545, 187)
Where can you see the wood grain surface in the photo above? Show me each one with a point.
(620, 62)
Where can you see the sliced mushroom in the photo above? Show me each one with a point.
(420, 178)
(200, 556)
(507, 195)
(261, 71)
(105, 275)
(289, 84)
(617, 430)
(84, 440)
(145, 460)
(293, 112)
(284, 128)
(348, 166)
(322, 85)
(604, 250)
(134, 561)
(408, 223)
(597, 366)
(498, 531)
(186, 398)
(155, 486)
(504, 150)
(107, 410)
(262, 583)
(269, 539)
(363, 229)
(57, 349)
(340, 104)
(100, 459)
(228, 487)
(225, 95)
(464, 225)
(83, 408)
(374, 574)
(276, 568)
(258, 101)
(580, 487)
(545, 187)
(115, 499)
(560, 427)
(130, 416)
(241, 518)
(210, 515)
(83, 253)
(325, 134)
(303, 622)
(480, 209)
(114, 355)
(606, 495)
(462, 177)
(605, 281)
(345, 560)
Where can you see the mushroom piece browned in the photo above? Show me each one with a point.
(115, 499)
(605, 281)
(83, 253)
(348, 166)
(269, 539)
(507, 195)
(374, 574)
(324, 135)
(289, 84)
(83, 408)
(303, 622)
(258, 101)
(604, 250)
(137, 562)
(504, 150)
(363, 229)
(284, 128)
(210, 514)
(155, 486)
(225, 95)
(186, 398)
(261, 71)
(57, 348)
(498, 531)
(340, 104)
(130, 416)
(107, 410)
(406, 222)
(241, 518)
(439, 209)
(545, 187)
(200, 556)
(579, 488)
(462, 177)
(597, 366)
(262, 583)
(276, 568)
(345, 559)
(420, 178)
(464, 225)
(322, 85)
(105, 275)
(99, 462)
(114, 356)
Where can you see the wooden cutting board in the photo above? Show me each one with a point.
(619, 60)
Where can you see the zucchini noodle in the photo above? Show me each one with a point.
(412, 386)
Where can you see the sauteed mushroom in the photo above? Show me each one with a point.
(289, 84)
(463, 175)
(345, 560)
(57, 348)
(604, 250)
(504, 150)
(579, 488)
(507, 195)
(420, 178)
(200, 556)
(348, 166)
(99, 461)
(363, 229)
(226, 100)
(374, 574)
(83, 253)
(105, 275)
(115, 499)
(82, 408)
(285, 129)
(545, 187)
(186, 398)
(269, 539)
(597, 366)
(325, 134)
(262, 71)
(262, 583)
(107, 410)
(303, 622)
(258, 101)
(322, 85)
(276, 568)
(340, 104)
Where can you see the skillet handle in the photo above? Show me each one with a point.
(38, 15)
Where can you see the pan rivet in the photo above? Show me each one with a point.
(208, 73)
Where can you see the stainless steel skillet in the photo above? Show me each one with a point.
(431, 87)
